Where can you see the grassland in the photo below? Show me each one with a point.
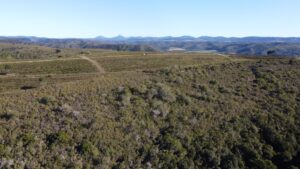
(140, 61)
(39, 72)
(49, 67)
(155, 110)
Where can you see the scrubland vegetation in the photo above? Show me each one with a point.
(15, 51)
(152, 111)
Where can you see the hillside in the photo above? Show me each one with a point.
(248, 46)
(163, 110)
(75, 44)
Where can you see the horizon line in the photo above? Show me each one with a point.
(137, 36)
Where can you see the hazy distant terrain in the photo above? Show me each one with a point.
(248, 46)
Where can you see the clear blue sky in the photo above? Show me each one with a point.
(90, 18)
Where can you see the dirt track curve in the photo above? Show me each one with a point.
(95, 63)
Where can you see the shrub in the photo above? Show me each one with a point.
(172, 144)
(3, 150)
(168, 160)
(184, 99)
(292, 61)
(186, 163)
(28, 139)
(41, 79)
(160, 109)
(202, 88)
(57, 50)
(213, 82)
(205, 97)
(179, 80)
(165, 93)
(223, 90)
(139, 90)
(124, 96)
(262, 164)
(46, 100)
(7, 116)
(7, 67)
(3, 73)
(27, 87)
(229, 161)
(87, 148)
(151, 93)
(268, 152)
(63, 137)
(273, 138)
(58, 138)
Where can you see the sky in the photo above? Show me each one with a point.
(91, 18)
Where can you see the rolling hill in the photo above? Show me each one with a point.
(248, 46)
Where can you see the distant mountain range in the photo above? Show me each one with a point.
(251, 46)
(120, 38)
(252, 39)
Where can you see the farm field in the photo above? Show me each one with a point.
(36, 72)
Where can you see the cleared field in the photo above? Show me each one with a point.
(154, 61)
(110, 63)
(48, 67)
(20, 74)
(26, 82)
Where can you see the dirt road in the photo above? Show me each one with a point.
(95, 63)
(82, 57)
